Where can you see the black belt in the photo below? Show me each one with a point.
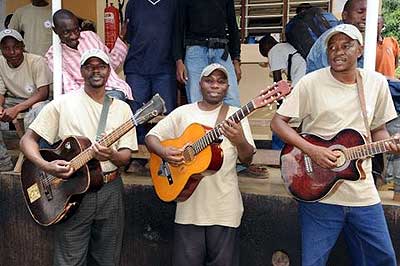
(213, 43)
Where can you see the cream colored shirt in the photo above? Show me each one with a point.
(24, 80)
(35, 22)
(217, 199)
(327, 106)
(77, 114)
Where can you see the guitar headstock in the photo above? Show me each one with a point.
(273, 93)
(151, 109)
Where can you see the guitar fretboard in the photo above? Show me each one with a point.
(369, 149)
(84, 157)
(215, 133)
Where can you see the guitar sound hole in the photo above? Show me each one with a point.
(341, 160)
(188, 153)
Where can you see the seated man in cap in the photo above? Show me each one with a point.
(93, 235)
(328, 101)
(24, 84)
(206, 224)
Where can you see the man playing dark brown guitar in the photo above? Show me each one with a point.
(93, 235)
(206, 223)
(328, 101)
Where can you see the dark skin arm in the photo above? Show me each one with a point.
(9, 114)
(238, 71)
(119, 158)
(172, 155)
(233, 131)
(61, 168)
(181, 72)
(124, 31)
(381, 133)
(277, 75)
(321, 155)
(30, 147)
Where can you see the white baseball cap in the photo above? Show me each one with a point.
(95, 53)
(11, 33)
(212, 67)
(348, 29)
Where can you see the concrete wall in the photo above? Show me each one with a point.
(269, 223)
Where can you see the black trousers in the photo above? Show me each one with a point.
(205, 245)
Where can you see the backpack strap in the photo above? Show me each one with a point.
(289, 65)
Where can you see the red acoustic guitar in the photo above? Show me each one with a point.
(307, 181)
(201, 153)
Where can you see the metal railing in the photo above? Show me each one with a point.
(258, 17)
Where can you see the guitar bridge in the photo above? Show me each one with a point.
(46, 186)
(164, 171)
(308, 164)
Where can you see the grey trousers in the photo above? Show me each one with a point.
(205, 245)
(93, 235)
(393, 163)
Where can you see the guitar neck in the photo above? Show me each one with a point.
(369, 149)
(216, 132)
(88, 154)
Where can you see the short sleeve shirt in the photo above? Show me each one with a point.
(327, 106)
(217, 199)
(76, 114)
(24, 80)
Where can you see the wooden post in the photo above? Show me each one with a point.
(242, 20)
(285, 18)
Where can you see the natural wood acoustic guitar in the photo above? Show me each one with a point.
(201, 151)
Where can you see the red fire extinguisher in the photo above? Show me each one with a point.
(111, 25)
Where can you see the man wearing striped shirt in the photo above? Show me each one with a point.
(74, 43)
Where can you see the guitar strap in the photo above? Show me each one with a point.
(222, 114)
(361, 96)
(103, 117)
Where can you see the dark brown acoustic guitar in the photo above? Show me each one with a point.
(51, 199)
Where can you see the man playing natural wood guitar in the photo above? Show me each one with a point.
(206, 223)
(328, 101)
(93, 235)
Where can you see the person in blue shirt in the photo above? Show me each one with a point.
(149, 66)
(354, 12)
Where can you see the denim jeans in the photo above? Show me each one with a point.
(144, 87)
(365, 231)
(197, 58)
(393, 161)
(277, 143)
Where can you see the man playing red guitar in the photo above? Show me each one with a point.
(206, 223)
(327, 101)
(93, 235)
